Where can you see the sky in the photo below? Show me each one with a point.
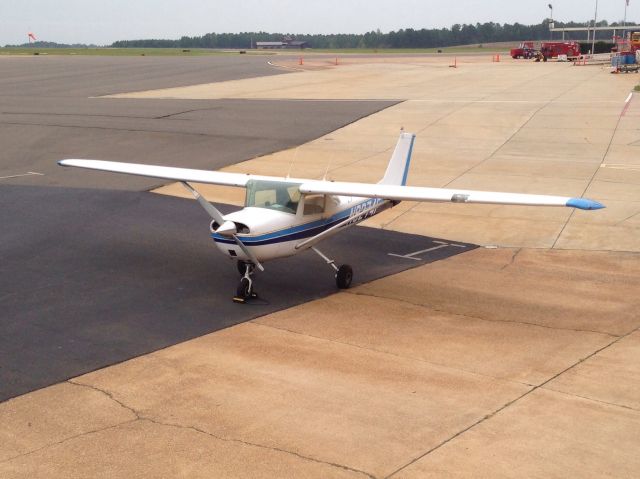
(102, 22)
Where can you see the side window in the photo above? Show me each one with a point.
(314, 204)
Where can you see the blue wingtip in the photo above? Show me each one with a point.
(585, 204)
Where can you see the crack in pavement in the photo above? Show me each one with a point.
(88, 115)
(513, 259)
(162, 117)
(67, 439)
(109, 395)
(463, 315)
(134, 130)
(390, 353)
(140, 417)
(513, 401)
(261, 446)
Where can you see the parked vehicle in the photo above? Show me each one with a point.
(552, 49)
(634, 41)
(524, 50)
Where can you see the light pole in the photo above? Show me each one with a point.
(624, 22)
(595, 21)
(551, 25)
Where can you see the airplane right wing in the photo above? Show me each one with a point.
(420, 193)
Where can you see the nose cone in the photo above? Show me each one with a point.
(228, 228)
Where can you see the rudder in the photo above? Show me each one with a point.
(398, 167)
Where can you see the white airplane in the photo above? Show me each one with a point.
(284, 216)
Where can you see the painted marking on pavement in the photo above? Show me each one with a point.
(627, 102)
(415, 255)
(618, 166)
(29, 173)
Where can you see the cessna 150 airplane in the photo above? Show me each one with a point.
(284, 216)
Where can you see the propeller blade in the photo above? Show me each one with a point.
(228, 228)
(248, 252)
(208, 207)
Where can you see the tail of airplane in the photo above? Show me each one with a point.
(398, 167)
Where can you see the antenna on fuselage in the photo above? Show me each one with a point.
(295, 155)
(326, 172)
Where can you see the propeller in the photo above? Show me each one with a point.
(225, 228)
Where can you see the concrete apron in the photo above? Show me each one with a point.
(498, 362)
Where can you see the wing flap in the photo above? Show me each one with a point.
(418, 193)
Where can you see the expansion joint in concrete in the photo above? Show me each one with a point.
(513, 401)
(586, 398)
(479, 318)
(593, 176)
(395, 355)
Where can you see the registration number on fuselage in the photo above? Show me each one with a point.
(364, 210)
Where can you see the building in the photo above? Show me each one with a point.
(287, 43)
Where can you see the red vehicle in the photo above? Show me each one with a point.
(525, 50)
(634, 41)
(553, 49)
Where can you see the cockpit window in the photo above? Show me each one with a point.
(273, 195)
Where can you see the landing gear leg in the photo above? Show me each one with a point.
(245, 287)
(344, 273)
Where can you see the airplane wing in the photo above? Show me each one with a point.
(418, 193)
(365, 190)
(171, 173)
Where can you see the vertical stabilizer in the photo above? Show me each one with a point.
(398, 167)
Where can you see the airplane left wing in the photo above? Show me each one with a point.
(418, 193)
(169, 172)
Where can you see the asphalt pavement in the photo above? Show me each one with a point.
(95, 270)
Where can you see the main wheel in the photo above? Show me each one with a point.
(244, 289)
(344, 276)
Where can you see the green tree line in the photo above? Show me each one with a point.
(464, 34)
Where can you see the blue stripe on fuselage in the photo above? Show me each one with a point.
(306, 230)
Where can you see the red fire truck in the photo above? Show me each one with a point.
(553, 49)
(525, 50)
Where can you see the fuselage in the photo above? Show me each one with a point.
(274, 224)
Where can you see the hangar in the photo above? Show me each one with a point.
(285, 44)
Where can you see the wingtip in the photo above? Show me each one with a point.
(585, 204)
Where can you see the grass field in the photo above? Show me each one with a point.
(386, 51)
(206, 51)
(113, 51)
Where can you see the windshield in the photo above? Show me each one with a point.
(274, 195)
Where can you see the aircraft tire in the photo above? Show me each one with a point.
(243, 290)
(344, 276)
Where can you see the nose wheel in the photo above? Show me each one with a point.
(245, 291)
